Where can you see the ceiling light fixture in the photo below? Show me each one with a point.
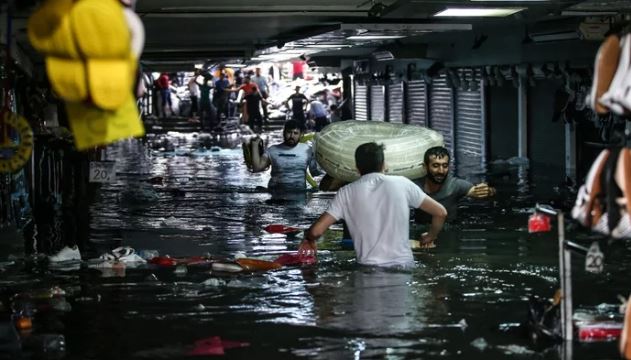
(478, 12)
(374, 37)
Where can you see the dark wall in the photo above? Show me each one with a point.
(546, 138)
(501, 103)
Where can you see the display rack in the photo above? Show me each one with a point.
(565, 275)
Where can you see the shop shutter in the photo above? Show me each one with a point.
(377, 103)
(441, 111)
(416, 101)
(470, 126)
(361, 102)
(395, 102)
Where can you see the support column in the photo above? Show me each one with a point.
(522, 119)
(570, 152)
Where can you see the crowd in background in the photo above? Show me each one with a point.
(253, 95)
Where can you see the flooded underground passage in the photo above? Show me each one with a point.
(324, 180)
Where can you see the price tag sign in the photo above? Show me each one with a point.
(102, 172)
(594, 261)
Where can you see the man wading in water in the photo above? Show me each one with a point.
(376, 208)
(443, 187)
(289, 160)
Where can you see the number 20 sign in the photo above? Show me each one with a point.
(102, 172)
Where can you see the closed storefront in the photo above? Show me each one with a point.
(470, 126)
(441, 114)
(416, 102)
(395, 102)
(361, 102)
(377, 103)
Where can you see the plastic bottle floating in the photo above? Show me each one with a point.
(281, 229)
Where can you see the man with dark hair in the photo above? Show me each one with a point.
(298, 103)
(289, 160)
(376, 208)
(443, 187)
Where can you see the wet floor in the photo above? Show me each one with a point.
(463, 299)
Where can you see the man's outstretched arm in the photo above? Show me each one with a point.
(260, 162)
(481, 191)
(438, 213)
(317, 229)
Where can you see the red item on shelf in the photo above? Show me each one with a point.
(539, 223)
(602, 331)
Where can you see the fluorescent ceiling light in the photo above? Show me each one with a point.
(235, 65)
(374, 37)
(199, 66)
(478, 12)
(328, 46)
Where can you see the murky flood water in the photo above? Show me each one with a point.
(464, 299)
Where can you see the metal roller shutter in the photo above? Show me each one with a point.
(361, 102)
(377, 103)
(395, 102)
(470, 137)
(416, 100)
(441, 111)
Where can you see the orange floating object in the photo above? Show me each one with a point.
(23, 323)
(257, 265)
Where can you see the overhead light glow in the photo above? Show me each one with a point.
(478, 12)
(328, 46)
(235, 65)
(199, 66)
(374, 37)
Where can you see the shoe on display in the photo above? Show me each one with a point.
(66, 254)
(126, 254)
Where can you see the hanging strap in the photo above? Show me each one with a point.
(6, 89)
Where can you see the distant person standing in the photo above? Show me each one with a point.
(261, 83)
(204, 103)
(335, 113)
(164, 84)
(298, 69)
(193, 89)
(220, 95)
(317, 111)
(297, 102)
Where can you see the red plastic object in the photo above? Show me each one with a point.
(295, 259)
(163, 261)
(280, 229)
(603, 331)
(214, 346)
(539, 223)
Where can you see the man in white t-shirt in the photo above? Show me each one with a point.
(376, 208)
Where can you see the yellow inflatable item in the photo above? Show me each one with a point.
(88, 48)
(103, 36)
(91, 66)
(49, 29)
(92, 126)
(310, 180)
(67, 78)
(22, 151)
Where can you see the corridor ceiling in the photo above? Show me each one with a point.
(180, 33)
